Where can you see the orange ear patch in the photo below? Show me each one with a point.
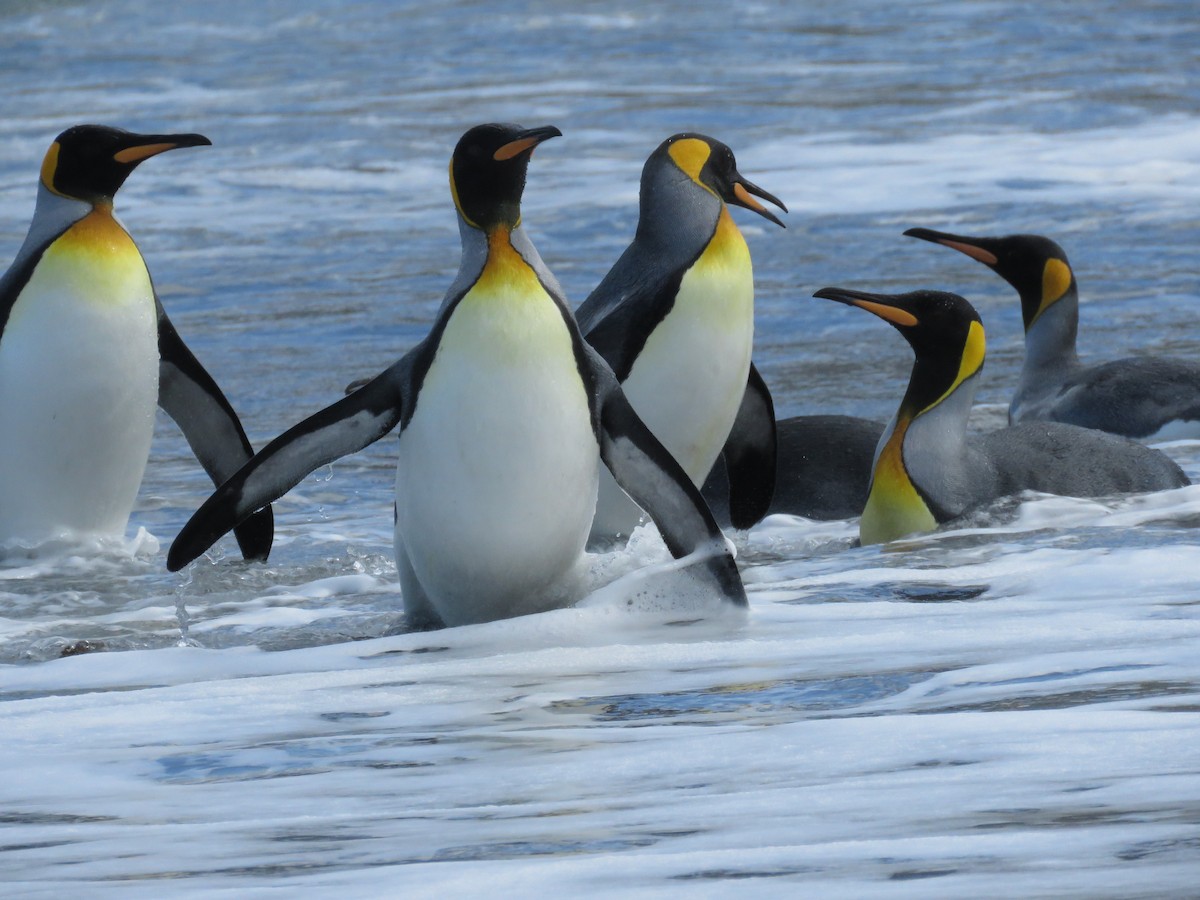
(690, 155)
(50, 165)
(1056, 278)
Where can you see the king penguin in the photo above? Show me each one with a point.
(505, 415)
(87, 352)
(674, 319)
(1148, 398)
(928, 470)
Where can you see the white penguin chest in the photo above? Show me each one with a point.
(78, 385)
(496, 481)
(688, 381)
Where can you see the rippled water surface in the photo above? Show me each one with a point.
(1007, 708)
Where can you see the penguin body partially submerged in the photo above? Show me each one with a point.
(928, 470)
(1148, 398)
(505, 416)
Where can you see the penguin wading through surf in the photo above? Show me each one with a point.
(505, 415)
(674, 318)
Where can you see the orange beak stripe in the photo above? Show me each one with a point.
(744, 196)
(515, 148)
(972, 251)
(137, 154)
(890, 313)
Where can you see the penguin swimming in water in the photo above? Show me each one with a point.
(822, 471)
(505, 415)
(928, 470)
(823, 466)
(1147, 398)
(87, 352)
(674, 319)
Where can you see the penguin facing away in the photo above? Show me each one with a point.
(1148, 398)
(505, 415)
(674, 319)
(87, 352)
(928, 470)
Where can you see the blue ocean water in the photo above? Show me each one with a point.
(1008, 708)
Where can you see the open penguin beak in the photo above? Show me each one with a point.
(742, 191)
(525, 141)
(888, 307)
(143, 146)
(973, 247)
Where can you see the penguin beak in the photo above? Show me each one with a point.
(973, 247)
(888, 307)
(526, 141)
(143, 146)
(741, 196)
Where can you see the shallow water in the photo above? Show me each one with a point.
(1009, 707)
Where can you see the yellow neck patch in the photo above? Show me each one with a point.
(507, 317)
(506, 272)
(894, 508)
(96, 234)
(1056, 280)
(98, 260)
(727, 248)
(690, 155)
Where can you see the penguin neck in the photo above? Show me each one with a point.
(1050, 338)
(499, 246)
(936, 435)
(920, 461)
(677, 217)
(53, 215)
(894, 505)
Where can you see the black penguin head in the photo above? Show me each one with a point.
(943, 329)
(711, 164)
(487, 172)
(91, 162)
(1034, 265)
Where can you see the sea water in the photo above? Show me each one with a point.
(1008, 707)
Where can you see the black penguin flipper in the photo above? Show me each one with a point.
(657, 483)
(749, 454)
(13, 281)
(190, 396)
(336, 431)
(621, 313)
